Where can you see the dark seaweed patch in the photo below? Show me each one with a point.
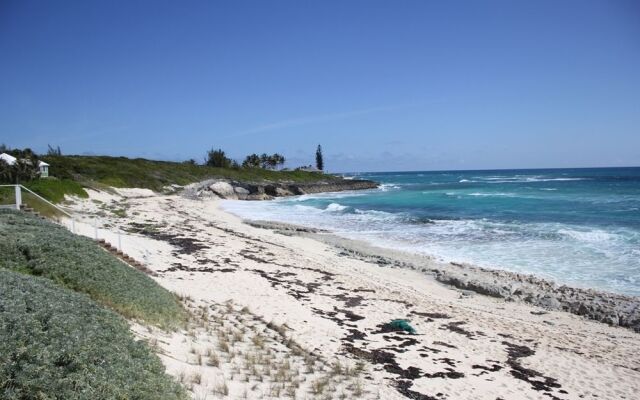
(536, 379)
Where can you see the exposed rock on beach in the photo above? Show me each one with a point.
(235, 190)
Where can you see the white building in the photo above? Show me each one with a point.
(43, 167)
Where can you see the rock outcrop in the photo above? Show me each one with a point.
(610, 308)
(235, 190)
(223, 190)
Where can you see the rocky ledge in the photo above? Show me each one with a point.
(235, 190)
(610, 308)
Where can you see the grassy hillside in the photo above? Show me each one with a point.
(126, 172)
(56, 344)
(37, 247)
(55, 189)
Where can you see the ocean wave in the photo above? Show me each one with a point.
(388, 186)
(481, 194)
(533, 180)
(335, 207)
(377, 215)
(591, 236)
(305, 208)
(315, 196)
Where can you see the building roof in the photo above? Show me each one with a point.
(9, 159)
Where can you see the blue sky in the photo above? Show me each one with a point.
(382, 85)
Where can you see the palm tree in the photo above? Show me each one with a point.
(278, 160)
(264, 160)
(251, 161)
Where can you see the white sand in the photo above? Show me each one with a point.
(321, 296)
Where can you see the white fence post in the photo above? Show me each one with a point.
(18, 197)
(73, 225)
(95, 228)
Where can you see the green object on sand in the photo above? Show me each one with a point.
(401, 324)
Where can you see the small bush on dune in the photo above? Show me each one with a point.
(37, 247)
(56, 344)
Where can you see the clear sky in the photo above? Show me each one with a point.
(382, 85)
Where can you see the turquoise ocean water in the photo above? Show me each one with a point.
(575, 226)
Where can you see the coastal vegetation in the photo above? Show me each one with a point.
(54, 189)
(155, 175)
(36, 247)
(264, 160)
(70, 174)
(63, 318)
(57, 344)
(219, 159)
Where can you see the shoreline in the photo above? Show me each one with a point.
(603, 306)
(335, 304)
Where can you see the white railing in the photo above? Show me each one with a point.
(87, 228)
(18, 203)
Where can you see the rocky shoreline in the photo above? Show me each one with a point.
(236, 190)
(610, 308)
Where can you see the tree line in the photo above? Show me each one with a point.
(26, 166)
(218, 158)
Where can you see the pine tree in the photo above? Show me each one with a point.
(319, 160)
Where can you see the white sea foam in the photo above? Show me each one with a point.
(532, 179)
(335, 207)
(592, 236)
(388, 186)
(481, 194)
(330, 195)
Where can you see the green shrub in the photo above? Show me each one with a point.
(56, 344)
(37, 247)
(55, 189)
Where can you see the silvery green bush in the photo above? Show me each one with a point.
(31, 245)
(57, 344)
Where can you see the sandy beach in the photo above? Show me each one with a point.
(321, 304)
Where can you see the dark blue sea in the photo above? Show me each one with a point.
(575, 226)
